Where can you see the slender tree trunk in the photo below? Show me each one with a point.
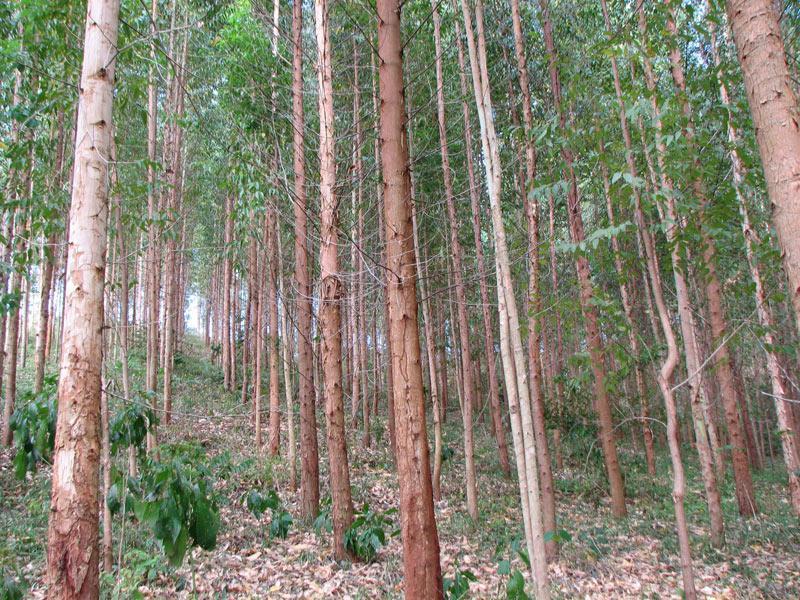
(173, 300)
(258, 348)
(422, 570)
(13, 328)
(47, 269)
(250, 318)
(272, 305)
(685, 312)
(558, 358)
(105, 459)
(309, 457)
(430, 350)
(664, 376)
(227, 282)
(534, 295)
(288, 388)
(626, 302)
(511, 348)
(594, 342)
(458, 270)
(331, 292)
(153, 262)
(73, 556)
(723, 361)
(474, 195)
(773, 104)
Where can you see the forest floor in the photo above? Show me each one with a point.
(600, 557)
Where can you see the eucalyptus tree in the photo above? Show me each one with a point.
(72, 547)
(773, 105)
(421, 567)
(331, 292)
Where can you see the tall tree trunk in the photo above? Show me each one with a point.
(272, 305)
(458, 274)
(748, 44)
(309, 455)
(173, 300)
(602, 404)
(534, 295)
(331, 292)
(626, 302)
(355, 268)
(383, 242)
(558, 358)
(430, 350)
(684, 311)
(227, 282)
(153, 262)
(72, 551)
(723, 360)
(421, 567)
(511, 348)
(288, 387)
(773, 104)
(48, 264)
(105, 460)
(664, 375)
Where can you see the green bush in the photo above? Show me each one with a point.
(129, 427)
(174, 497)
(457, 587)
(367, 534)
(258, 503)
(34, 427)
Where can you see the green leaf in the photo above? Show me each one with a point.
(515, 588)
(205, 525)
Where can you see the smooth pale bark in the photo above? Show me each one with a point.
(773, 105)
(488, 340)
(331, 292)
(684, 308)
(309, 454)
(8, 234)
(458, 275)
(250, 316)
(511, 348)
(72, 548)
(422, 572)
(534, 295)
(602, 404)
